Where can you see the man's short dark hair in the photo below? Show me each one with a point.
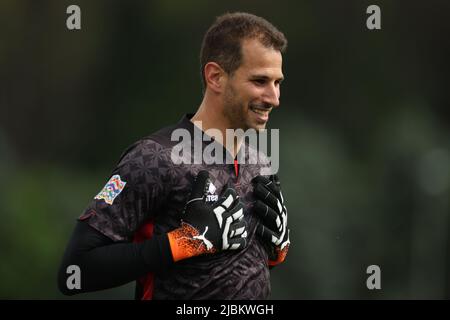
(222, 42)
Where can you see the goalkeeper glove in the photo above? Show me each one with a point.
(208, 228)
(270, 208)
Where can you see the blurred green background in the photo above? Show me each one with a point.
(364, 129)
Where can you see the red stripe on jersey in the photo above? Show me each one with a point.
(236, 167)
(145, 233)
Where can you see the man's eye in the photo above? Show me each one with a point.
(259, 81)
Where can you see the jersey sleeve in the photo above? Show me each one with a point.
(133, 194)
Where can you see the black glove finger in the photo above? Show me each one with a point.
(237, 243)
(266, 196)
(227, 198)
(269, 183)
(229, 233)
(237, 211)
(261, 179)
(238, 228)
(268, 216)
(286, 240)
(200, 186)
(266, 234)
(276, 180)
(222, 208)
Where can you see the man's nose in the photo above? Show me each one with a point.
(272, 95)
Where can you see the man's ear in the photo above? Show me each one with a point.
(214, 77)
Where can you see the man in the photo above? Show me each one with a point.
(164, 223)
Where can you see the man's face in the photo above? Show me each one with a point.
(253, 90)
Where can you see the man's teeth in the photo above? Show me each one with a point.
(261, 112)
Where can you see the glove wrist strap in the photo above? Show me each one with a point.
(184, 245)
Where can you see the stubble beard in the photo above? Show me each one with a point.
(234, 110)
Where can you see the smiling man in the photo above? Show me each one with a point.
(195, 231)
(241, 68)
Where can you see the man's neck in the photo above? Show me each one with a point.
(212, 117)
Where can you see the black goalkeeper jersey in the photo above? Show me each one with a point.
(145, 196)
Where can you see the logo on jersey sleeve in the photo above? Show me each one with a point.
(211, 196)
(111, 189)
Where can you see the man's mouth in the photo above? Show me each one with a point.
(261, 111)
